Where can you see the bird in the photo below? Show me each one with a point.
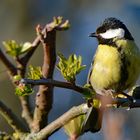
(116, 63)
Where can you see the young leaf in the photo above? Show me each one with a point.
(17, 77)
(23, 90)
(26, 47)
(74, 127)
(70, 67)
(89, 92)
(14, 49)
(34, 73)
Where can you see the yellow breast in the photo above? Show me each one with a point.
(106, 68)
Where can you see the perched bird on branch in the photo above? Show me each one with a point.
(116, 64)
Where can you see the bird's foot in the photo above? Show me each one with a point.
(130, 98)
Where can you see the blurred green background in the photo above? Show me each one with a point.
(18, 19)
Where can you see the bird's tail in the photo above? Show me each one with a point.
(93, 120)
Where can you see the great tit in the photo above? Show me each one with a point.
(116, 64)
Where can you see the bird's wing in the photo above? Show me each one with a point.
(90, 71)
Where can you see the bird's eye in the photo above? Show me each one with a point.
(101, 29)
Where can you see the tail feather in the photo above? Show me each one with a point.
(93, 120)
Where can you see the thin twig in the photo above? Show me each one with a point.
(48, 27)
(13, 71)
(4, 135)
(25, 59)
(54, 83)
(59, 122)
(11, 118)
(11, 68)
(125, 102)
(26, 113)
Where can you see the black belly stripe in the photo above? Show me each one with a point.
(124, 71)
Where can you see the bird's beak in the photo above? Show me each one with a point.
(93, 35)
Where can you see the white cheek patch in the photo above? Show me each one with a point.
(111, 33)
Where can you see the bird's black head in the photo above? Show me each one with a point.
(111, 28)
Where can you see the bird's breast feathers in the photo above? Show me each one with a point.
(116, 67)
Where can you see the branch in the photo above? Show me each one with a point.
(35, 44)
(44, 98)
(43, 105)
(59, 122)
(26, 113)
(48, 27)
(125, 102)
(11, 118)
(13, 71)
(25, 59)
(5, 136)
(54, 126)
(53, 83)
(11, 68)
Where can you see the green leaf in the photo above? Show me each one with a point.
(65, 25)
(81, 68)
(35, 73)
(89, 92)
(58, 23)
(26, 47)
(61, 56)
(14, 49)
(74, 127)
(23, 90)
(17, 77)
(71, 59)
(70, 67)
